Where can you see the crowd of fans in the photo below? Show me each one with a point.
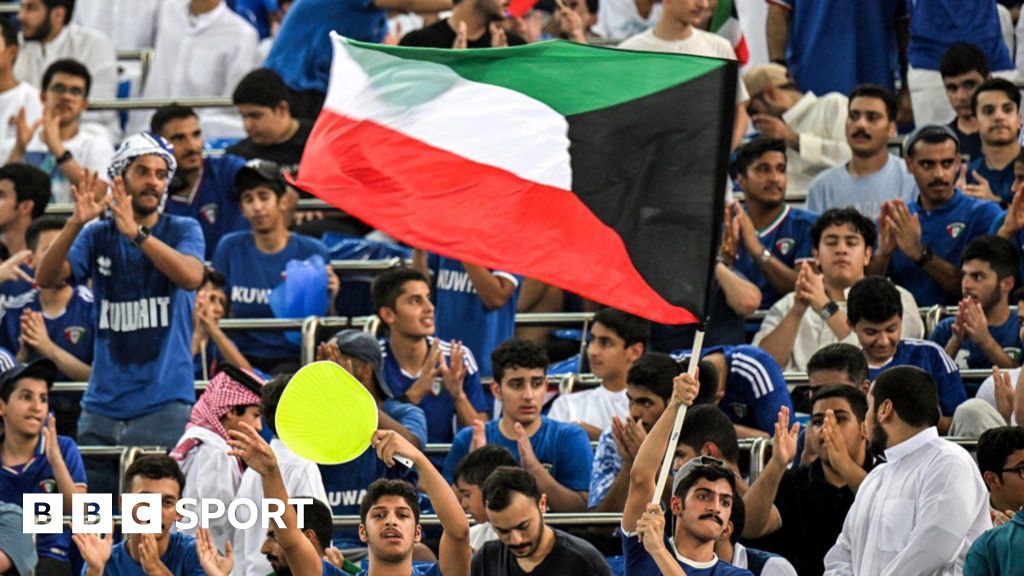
(184, 217)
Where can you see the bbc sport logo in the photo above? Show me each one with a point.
(94, 513)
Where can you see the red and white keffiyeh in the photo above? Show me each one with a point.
(223, 394)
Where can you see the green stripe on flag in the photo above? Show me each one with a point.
(722, 14)
(570, 78)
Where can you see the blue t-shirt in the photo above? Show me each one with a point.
(946, 231)
(1000, 181)
(638, 561)
(937, 24)
(213, 203)
(72, 331)
(302, 49)
(16, 287)
(439, 409)
(607, 465)
(837, 188)
(563, 449)
(755, 388)
(251, 275)
(834, 45)
(970, 355)
(788, 238)
(417, 570)
(142, 358)
(461, 314)
(931, 358)
(36, 477)
(346, 483)
(180, 559)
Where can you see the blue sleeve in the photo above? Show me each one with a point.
(10, 327)
(997, 223)
(191, 561)
(604, 469)
(951, 386)
(414, 420)
(977, 562)
(321, 249)
(7, 360)
(459, 449)
(575, 459)
(474, 391)
(72, 459)
(190, 241)
(221, 261)
(803, 241)
(942, 332)
(766, 408)
(80, 254)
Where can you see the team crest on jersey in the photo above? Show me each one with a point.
(784, 245)
(49, 485)
(955, 229)
(209, 213)
(1013, 353)
(103, 263)
(74, 334)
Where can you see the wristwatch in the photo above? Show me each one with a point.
(926, 256)
(65, 157)
(141, 236)
(765, 256)
(828, 310)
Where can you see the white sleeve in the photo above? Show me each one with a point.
(774, 316)
(211, 474)
(778, 566)
(560, 410)
(830, 149)
(305, 480)
(913, 326)
(244, 59)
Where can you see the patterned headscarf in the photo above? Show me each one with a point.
(223, 394)
(139, 145)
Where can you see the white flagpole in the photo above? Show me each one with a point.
(670, 450)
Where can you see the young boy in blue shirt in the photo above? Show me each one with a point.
(34, 458)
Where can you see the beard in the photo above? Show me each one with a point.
(142, 210)
(879, 439)
(42, 32)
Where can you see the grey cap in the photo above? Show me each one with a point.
(930, 131)
(363, 346)
(694, 463)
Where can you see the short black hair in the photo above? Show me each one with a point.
(318, 518)
(1018, 294)
(386, 487)
(154, 467)
(655, 372)
(389, 285)
(212, 276)
(9, 31)
(70, 67)
(262, 87)
(30, 183)
(738, 517)
(512, 354)
(68, 5)
(705, 472)
(707, 423)
(913, 394)
(875, 299)
(879, 93)
(505, 480)
(165, 114)
(930, 134)
(632, 329)
(272, 391)
(44, 224)
(475, 467)
(961, 58)
(854, 396)
(1001, 254)
(751, 151)
(996, 445)
(842, 358)
(843, 217)
(996, 85)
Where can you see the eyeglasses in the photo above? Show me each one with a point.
(61, 89)
(1019, 470)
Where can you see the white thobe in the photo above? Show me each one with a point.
(130, 24)
(210, 473)
(917, 514)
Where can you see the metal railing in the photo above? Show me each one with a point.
(152, 103)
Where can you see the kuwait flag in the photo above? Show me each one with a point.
(726, 23)
(597, 170)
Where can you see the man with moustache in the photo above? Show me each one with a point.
(872, 175)
(920, 511)
(526, 544)
(919, 241)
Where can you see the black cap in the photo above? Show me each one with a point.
(257, 172)
(43, 369)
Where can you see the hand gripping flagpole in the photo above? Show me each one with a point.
(670, 450)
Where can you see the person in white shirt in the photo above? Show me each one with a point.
(760, 562)
(47, 35)
(301, 477)
(812, 126)
(677, 32)
(56, 144)
(814, 315)
(130, 24)
(203, 49)
(920, 511)
(233, 396)
(17, 98)
(617, 340)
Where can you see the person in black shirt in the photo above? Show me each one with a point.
(274, 134)
(526, 545)
(473, 24)
(811, 502)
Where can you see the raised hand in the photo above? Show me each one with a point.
(982, 190)
(149, 555)
(1004, 393)
(834, 442)
(390, 444)
(454, 375)
(461, 40)
(87, 205)
(479, 435)
(10, 269)
(498, 38)
(650, 528)
(95, 549)
(971, 316)
(684, 389)
(52, 446)
(907, 229)
(124, 215)
(628, 436)
(51, 131)
(1014, 220)
(334, 556)
(527, 457)
(247, 444)
(785, 440)
(210, 559)
(23, 131)
(571, 24)
(34, 334)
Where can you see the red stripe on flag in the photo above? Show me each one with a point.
(519, 8)
(453, 206)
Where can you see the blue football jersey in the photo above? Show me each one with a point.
(931, 358)
(72, 330)
(213, 201)
(789, 239)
